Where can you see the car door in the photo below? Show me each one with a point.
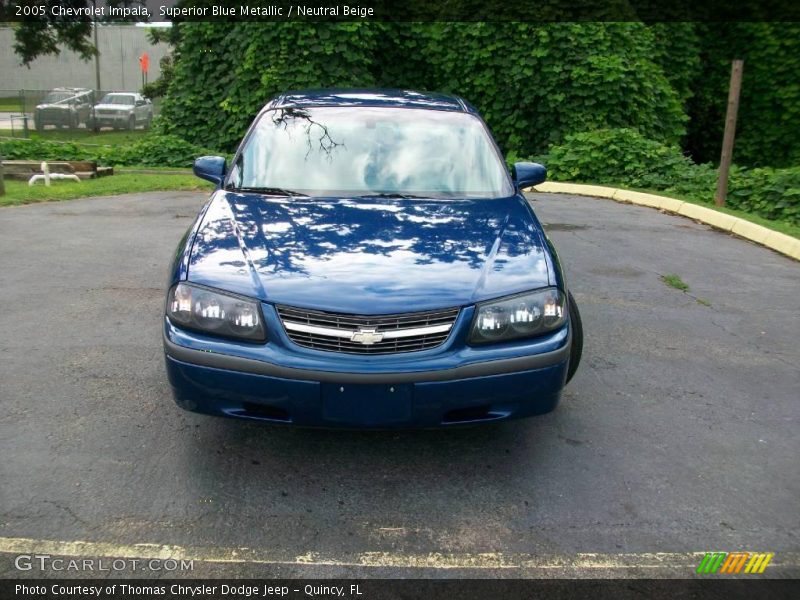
(84, 107)
(140, 109)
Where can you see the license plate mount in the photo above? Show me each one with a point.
(372, 405)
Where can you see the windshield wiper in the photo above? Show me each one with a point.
(389, 195)
(270, 191)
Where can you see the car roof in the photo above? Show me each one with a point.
(370, 97)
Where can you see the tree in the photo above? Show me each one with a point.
(49, 33)
(171, 37)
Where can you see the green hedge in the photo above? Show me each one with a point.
(536, 83)
(153, 150)
(217, 88)
(625, 157)
(533, 83)
(770, 193)
(676, 49)
(613, 155)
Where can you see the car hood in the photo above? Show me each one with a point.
(52, 106)
(119, 107)
(369, 255)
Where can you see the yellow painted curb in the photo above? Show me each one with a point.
(783, 243)
(639, 198)
(751, 231)
(671, 204)
(576, 188)
(774, 240)
(708, 215)
(579, 565)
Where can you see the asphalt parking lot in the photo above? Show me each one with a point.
(678, 434)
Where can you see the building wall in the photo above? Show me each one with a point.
(120, 48)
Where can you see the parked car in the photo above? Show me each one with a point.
(64, 107)
(122, 110)
(368, 261)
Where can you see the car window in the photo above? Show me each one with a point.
(354, 151)
(54, 97)
(124, 99)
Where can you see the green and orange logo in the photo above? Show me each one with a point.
(734, 562)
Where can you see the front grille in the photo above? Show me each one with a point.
(367, 334)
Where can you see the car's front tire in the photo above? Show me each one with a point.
(576, 349)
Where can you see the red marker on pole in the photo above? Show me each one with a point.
(144, 64)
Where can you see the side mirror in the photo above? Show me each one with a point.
(528, 174)
(210, 168)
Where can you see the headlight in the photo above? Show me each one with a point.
(521, 316)
(216, 313)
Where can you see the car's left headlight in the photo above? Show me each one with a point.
(216, 313)
(521, 316)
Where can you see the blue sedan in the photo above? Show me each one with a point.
(367, 261)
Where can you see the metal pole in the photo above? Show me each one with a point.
(24, 114)
(730, 132)
(121, 60)
(2, 183)
(96, 68)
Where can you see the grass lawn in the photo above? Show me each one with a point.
(19, 192)
(10, 104)
(107, 137)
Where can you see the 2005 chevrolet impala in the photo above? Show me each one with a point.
(368, 261)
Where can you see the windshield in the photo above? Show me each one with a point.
(54, 97)
(338, 151)
(117, 99)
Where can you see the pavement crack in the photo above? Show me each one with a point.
(746, 339)
(70, 512)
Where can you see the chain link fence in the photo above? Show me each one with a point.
(23, 112)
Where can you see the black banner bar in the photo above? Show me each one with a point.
(396, 10)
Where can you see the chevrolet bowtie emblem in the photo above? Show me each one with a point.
(366, 336)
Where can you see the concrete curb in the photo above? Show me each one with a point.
(779, 242)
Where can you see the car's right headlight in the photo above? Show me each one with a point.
(215, 312)
(520, 316)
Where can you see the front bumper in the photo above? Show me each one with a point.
(54, 117)
(110, 119)
(282, 383)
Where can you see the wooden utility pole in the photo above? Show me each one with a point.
(730, 132)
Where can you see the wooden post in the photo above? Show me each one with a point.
(730, 132)
(2, 184)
